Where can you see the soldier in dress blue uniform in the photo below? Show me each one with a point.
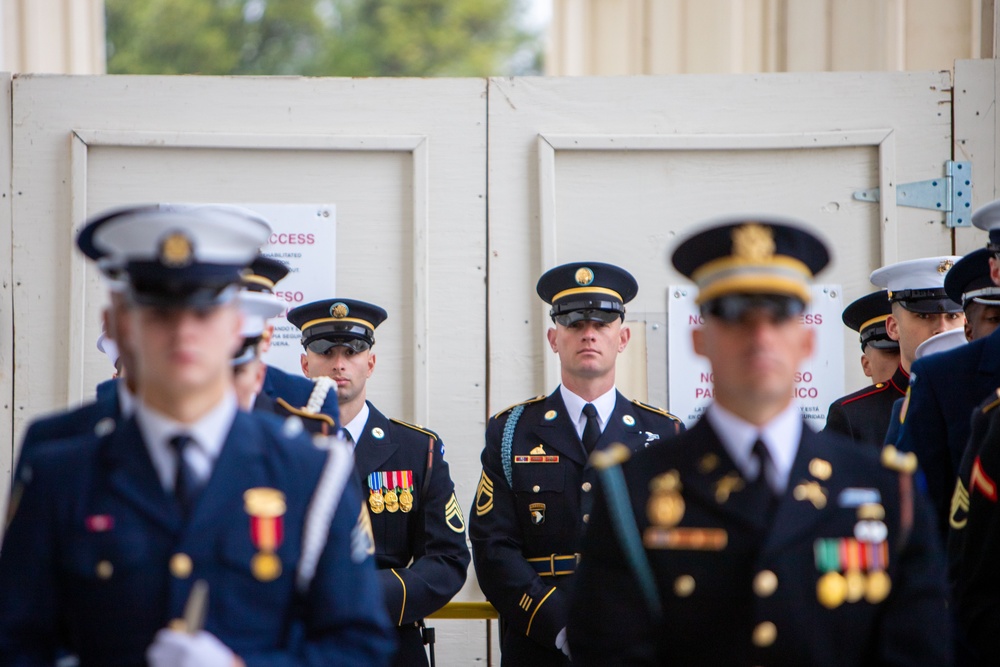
(191, 533)
(920, 308)
(757, 540)
(945, 390)
(534, 496)
(419, 528)
(974, 538)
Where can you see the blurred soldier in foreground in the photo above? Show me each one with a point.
(534, 497)
(191, 533)
(795, 548)
(419, 527)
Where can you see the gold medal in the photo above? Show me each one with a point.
(265, 566)
(831, 589)
(878, 586)
(375, 502)
(405, 500)
(855, 581)
(391, 501)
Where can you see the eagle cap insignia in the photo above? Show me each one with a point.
(339, 310)
(584, 276)
(176, 250)
(753, 242)
(945, 265)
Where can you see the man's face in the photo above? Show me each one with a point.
(879, 365)
(182, 350)
(348, 368)
(911, 329)
(980, 320)
(589, 349)
(754, 359)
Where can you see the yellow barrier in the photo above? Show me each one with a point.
(472, 611)
(467, 611)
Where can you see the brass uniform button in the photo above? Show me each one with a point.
(536, 488)
(586, 518)
(764, 634)
(684, 585)
(586, 487)
(181, 565)
(104, 569)
(765, 583)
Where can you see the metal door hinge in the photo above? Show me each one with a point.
(951, 194)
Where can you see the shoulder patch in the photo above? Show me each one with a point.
(991, 402)
(893, 459)
(414, 427)
(527, 402)
(304, 413)
(653, 408)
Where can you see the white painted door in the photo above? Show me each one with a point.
(615, 169)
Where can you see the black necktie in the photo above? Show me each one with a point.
(592, 431)
(186, 486)
(761, 492)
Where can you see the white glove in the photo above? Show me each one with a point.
(562, 644)
(179, 649)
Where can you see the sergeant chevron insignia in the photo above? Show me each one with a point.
(484, 495)
(453, 515)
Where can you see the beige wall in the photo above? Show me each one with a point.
(52, 36)
(622, 37)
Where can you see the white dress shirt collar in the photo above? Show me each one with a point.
(356, 427)
(126, 401)
(209, 435)
(605, 404)
(781, 435)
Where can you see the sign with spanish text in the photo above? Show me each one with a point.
(819, 381)
(304, 238)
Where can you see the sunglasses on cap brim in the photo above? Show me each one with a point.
(733, 307)
(574, 316)
(324, 345)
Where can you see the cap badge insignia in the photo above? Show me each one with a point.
(176, 250)
(753, 242)
(339, 310)
(584, 276)
(666, 505)
(945, 265)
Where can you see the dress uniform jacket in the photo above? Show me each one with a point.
(76, 422)
(737, 589)
(421, 554)
(525, 530)
(864, 416)
(945, 388)
(974, 538)
(98, 557)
